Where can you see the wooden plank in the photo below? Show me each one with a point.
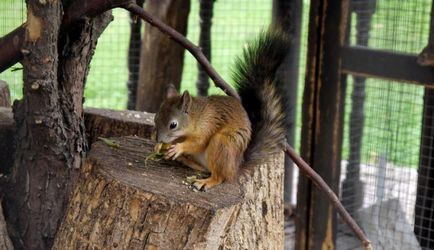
(322, 122)
(395, 66)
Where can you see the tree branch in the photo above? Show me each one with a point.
(10, 48)
(322, 185)
(194, 50)
(11, 44)
(219, 82)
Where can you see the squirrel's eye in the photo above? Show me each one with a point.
(173, 125)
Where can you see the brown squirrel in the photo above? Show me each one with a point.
(219, 134)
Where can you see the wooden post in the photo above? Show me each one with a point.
(323, 109)
(287, 15)
(424, 207)
(206, 8)
(134, 58)
(161, 59)
(124, 201)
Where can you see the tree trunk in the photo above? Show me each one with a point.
(5, 95)
(161, 59)
(124, 201)
(205, 14)
(134, 58)
(49, 119)
(39, 134)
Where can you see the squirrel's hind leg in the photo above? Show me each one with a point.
(223, 159)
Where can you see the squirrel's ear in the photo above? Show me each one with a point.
(171, 91)
(185, 102)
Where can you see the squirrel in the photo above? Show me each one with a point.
(221, 134)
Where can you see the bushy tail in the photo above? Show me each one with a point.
(261, 94)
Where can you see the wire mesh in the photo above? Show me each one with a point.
(383, 132)
(233, 24)
(12, 15)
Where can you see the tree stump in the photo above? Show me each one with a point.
(124, 201)
(5, 95)
(5, 241)
(114, 123)
(7, 144)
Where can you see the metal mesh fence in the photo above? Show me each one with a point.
(233, 24)
(12, 15)
(383, 131)
(382, 144)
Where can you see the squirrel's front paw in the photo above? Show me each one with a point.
(173, 152)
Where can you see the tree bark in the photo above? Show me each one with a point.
(123, 201)
(39, 133)
(205, 14)
(5, 241)
(5, 95)
(98, 123)
(161, 59)
(50, 129)
(7, 145)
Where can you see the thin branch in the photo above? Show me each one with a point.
(322, 185)
(304, 167)
(194, 50)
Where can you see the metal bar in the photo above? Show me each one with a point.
(424, 207)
